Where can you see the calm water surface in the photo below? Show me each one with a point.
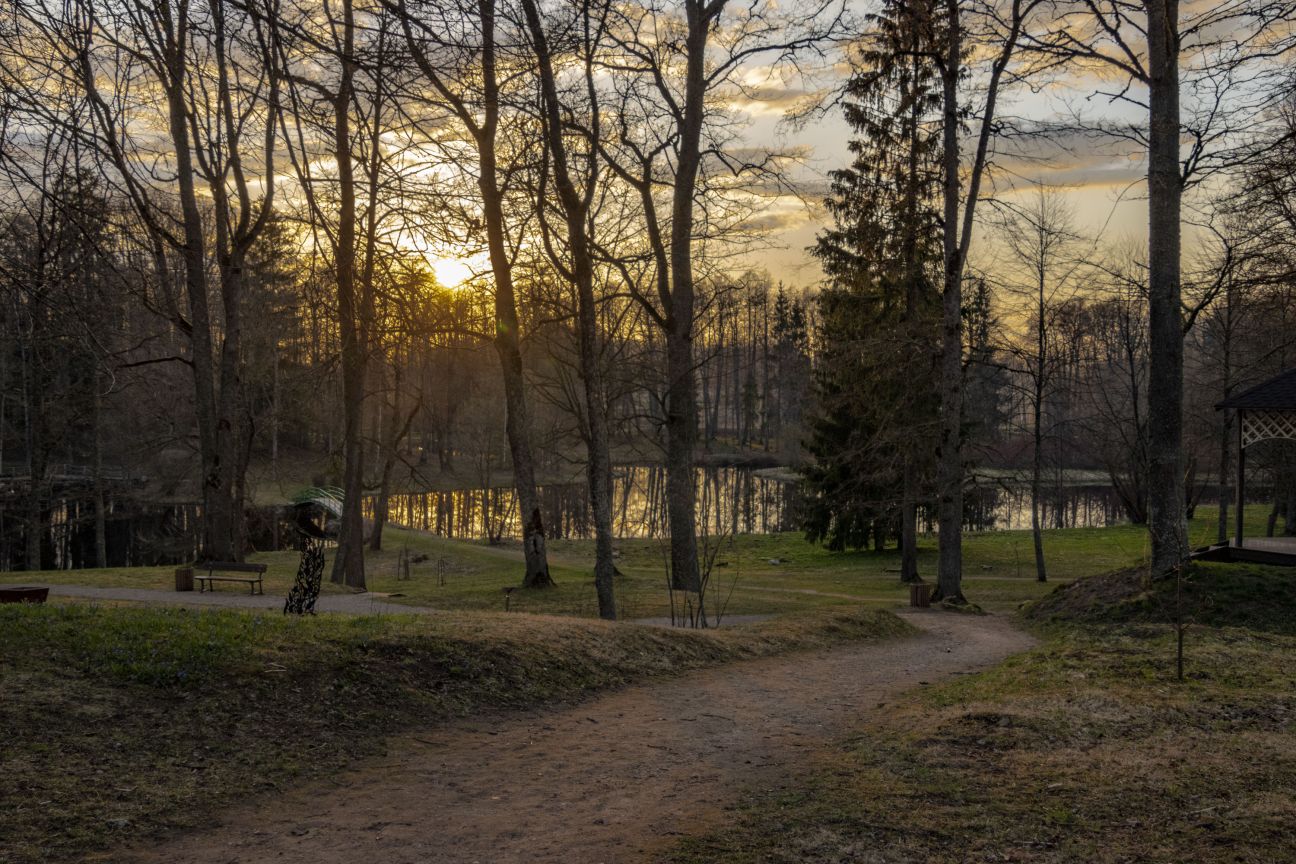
(730, 501)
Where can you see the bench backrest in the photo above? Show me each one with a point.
(234, 567)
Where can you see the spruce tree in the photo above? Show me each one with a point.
(873, 436)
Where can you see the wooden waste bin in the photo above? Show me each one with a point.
(920, 595)
(184, 578)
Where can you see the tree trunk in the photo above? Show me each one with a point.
(232, 420)
(348, 561)
(1225, 472)
(1037, 535)
(1166, 522)
(575, 209)
(274, 412)
(507, 337)
(681, 422)
(217, 496)
(949, 466)
(395, 434)
(909, 523)
(1037, 430)
(100, 517)
(33, 426)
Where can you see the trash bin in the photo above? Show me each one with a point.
(920, 595)
(184, 578)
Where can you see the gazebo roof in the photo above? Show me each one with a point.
(1276, 394)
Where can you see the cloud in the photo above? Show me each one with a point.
(1069, 157)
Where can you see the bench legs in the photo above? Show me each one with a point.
(255, 586)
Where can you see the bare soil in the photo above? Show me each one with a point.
(615, 779)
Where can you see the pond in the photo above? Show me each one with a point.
(730, 500)
(136, 533)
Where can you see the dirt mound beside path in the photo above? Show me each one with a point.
(611, 780)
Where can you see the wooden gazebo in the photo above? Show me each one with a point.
(1267, 411)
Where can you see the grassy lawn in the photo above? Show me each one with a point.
(1084, 749)
(758, 574)
(121, 722)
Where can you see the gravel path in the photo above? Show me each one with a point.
(612, 780)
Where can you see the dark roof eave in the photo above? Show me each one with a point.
(1276, 394)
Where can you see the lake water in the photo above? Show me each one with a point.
(136, 534)
(730, 501)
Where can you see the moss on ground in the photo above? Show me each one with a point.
(122, 722)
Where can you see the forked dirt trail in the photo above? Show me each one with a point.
(611, 780)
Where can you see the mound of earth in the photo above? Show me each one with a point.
(1213, 594)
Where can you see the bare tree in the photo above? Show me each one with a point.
(669, 64)
(208, 61)
(455, 47)
(1040, 237)
(1228, 52)
(576, 207)
(970, 29)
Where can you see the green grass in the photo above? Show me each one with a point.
(122, 722)
(1086, 748)
(999, 571)
(119, 719)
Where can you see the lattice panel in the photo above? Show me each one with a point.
(1263, 425)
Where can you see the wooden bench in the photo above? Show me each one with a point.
(229, 571)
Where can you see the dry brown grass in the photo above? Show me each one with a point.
(1084, 750)
(124, 722)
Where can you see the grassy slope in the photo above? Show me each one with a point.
(999, 571)
(1085, 749)
(120, 722)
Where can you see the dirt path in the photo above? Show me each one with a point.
(349, 604)
(608, 781)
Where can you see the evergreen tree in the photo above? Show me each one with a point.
(873, 437)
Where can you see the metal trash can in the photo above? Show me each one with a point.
(920, 595)
(184, 578)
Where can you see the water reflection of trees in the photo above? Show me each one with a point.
(730, 500)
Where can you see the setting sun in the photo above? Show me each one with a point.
(454, 272)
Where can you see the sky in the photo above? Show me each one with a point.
(1103, 181)
(1103, 185)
